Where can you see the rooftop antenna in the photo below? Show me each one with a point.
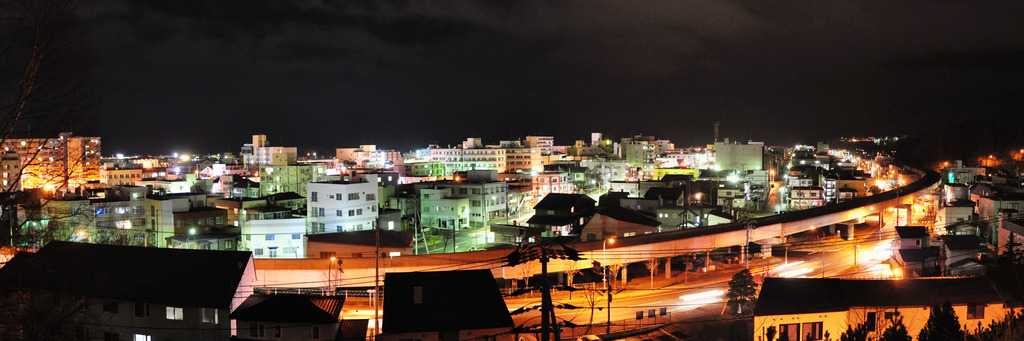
(716, 123)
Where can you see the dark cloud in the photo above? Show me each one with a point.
(402, 74)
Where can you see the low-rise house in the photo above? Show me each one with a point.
(911, 237)
(950, 213)
(93, 291)
(913, 254)
(962, 255)
(358, 244)
(426, 306)
(515, 234)
(813, 308)
(620, 222)
(552, 182)
(990, 206)
(289, 317)
(273, 232)
(804, 197)
(441, 209)
(221, 238)
(562, 214)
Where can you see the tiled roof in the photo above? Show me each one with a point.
(475, 303)
(290, 308)
(190, 278)
(352, 330)
(560, 201)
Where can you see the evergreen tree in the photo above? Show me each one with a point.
(858, 333)
(1014, 254)
(943, 324)
(742, 293)
(896, 330)
(1009, 328)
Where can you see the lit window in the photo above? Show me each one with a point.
(175, 313)
(142, 337)
(210, 315)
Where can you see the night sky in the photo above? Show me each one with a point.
(203, 76)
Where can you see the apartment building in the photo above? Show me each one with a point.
(62, 162)
(342, 205)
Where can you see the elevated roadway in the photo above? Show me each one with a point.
(359, 272)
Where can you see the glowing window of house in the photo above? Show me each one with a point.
(175, 313)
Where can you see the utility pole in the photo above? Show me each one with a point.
(376, 280)
(746, 246)
(608, 308)
(543, 252)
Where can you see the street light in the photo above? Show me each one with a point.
(608, 284)
(604, 249)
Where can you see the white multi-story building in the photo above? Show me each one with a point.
(344, 205)
(161, 211)
(743, 157)
(487, 195)
(440, 209)
(272, 232)
(605, 171)
(472, 156)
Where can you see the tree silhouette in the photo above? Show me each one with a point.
(858, 333)
(943, 324)
(652, 268)
(742, 293)
(44, 90)
(896, 330)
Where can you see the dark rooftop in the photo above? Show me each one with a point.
(284, 196)
(560, 201)
(961, 242)
(810, 295)
(190, 278)
(427, 301)
(628, 215)
(669, 194)
(290, 308)
(912, 231)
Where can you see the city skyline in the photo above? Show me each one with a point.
(203, 77)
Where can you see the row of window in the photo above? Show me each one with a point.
(141, 310)
(272, 251)
(295, 236)
(120, 210)
(260, 330)
(315, 196)
(199, 222)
